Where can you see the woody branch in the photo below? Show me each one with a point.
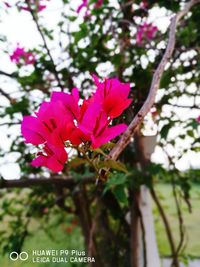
(30, 182)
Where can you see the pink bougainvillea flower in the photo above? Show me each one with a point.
(52, 157)
(36, 5)
(85, 3)
(82, 5)
(20, 55)
(198, 119)
(95, 124)
(41, 7)
(25, 8)
(146, 31)
(33, 130)
(64, 119)
(144, 4)
(54, 122)
(48, 124)
(98, 3)
(74, 113)
(70, 101)
(113, 96)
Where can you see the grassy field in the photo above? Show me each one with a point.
(61, 238)
(191, 220)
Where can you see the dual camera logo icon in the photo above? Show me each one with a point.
(23, 256)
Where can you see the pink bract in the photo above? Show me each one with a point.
(52, 157)
(70, 102)
(48, 124)
(95, 124)
(41, 7)
(35, 5)
(98, 3)
(112, 95)
(20, 55)
(146, 31)
(198, 119)
(144, 4)
(85, 3)
(82, 5)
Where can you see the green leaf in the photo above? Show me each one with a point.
(116, 165)
(190, 133)
(120, 194)
(165, 130)
(76, 162)
(116, 180)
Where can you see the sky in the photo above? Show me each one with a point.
(19, 28)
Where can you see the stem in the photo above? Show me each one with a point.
(10, 99)
(65, 181)
(180, 218)
(167, 228)
(10, 75)
(45, 45)
(89, 161)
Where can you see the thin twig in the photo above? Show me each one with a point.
(178, 209)
(45, 45)
(10, 99)
(167, 226)
(183, 106)
(10, 75)
(10, 123)
(126, 137)
(180, 219)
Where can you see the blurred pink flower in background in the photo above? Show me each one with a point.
(144, 4)
(82, 5)
(146, 31)
(36, 5)
(198, 119)
(98, 3)
(41, 7)
(85, 4)
(19, 55)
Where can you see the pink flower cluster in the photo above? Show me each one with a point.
(84, 4)
(37, 5)
(64, 119)
(146, 31)
(98, 3)
(19, 55)
(198, 119)
(144, 4)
